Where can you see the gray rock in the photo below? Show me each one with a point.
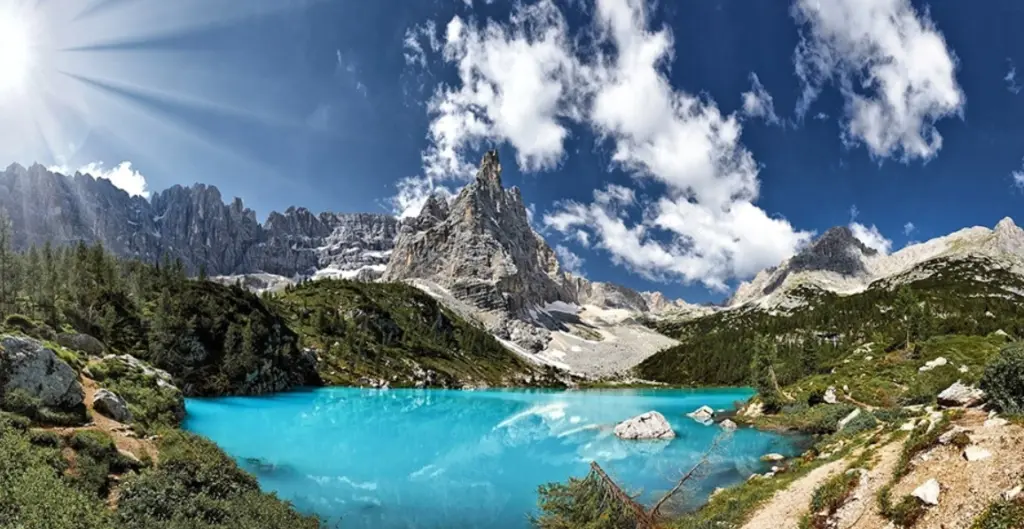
(650, 425)
(727, 425)
(1012, 494)
(109, 404)
(961, 395)
(830, 395)
(846, 420)
(37, 370)
(773, 458)
(932, 364)
(81, 342)
(948, 436)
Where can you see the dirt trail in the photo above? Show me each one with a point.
(967, 487)
(784, 510)
(122, 434)
(862, 508)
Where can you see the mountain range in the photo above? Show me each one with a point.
(477, 253)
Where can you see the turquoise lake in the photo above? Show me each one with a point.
(439, 459)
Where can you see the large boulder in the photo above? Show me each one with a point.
(28, 365)
(961, 395)
(650, 425)
(81, 342)
(109, 404)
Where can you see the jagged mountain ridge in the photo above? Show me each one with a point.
(193, 224)
(838, 262)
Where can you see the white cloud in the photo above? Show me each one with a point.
(1011, 78)
(909, 228)
(514, 85)
(1018, 178)
(525, 82)
(569, 260)
(122, 176)
(413, 193)
(871, 237)
(414, 53)
(891, 65)
(758, 103)
(821, 116)
(854, 212)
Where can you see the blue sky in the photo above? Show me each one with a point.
(635, 129)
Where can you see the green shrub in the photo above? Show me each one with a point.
(20, 323)
(830, 497)
(961, 440)
(197, 486)
(21, 402)
(11, 421)
(1002, 515)
(45, 438)
(34, 495)
(906, 513)
(861, 423)
(1003, 380)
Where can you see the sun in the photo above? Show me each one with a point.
(15, 53)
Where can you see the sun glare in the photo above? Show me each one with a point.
(15, 54)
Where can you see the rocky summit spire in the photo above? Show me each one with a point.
(490, 170)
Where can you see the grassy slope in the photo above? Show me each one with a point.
(392, 331)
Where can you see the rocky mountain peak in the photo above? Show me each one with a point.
(490, 170)
(837, 250)
(482, 250)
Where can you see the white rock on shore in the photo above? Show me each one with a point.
(727, 425)
(928, 492)
(650, 425)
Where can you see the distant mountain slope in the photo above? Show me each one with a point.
(393, 333)
(192, 224)
(838, 262)
(972, 294)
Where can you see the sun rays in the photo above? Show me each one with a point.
(138, 73)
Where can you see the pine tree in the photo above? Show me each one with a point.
(8, 266)
(762, 370)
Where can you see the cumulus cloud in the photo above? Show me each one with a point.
(758, 103)
(890, 63)
(121, 175)
(909, 228)
(871, 237)
(569, 260)
(523, 83)
(514, 86)
(1011, 78)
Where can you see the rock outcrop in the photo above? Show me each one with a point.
(109, 404)
(81, 342)
(650, 425)
(961, 395)
(29, 366)
(192, 224)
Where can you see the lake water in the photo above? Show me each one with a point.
(438, 459)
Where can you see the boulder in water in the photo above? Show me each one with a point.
(703, 415)
(650, 425)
